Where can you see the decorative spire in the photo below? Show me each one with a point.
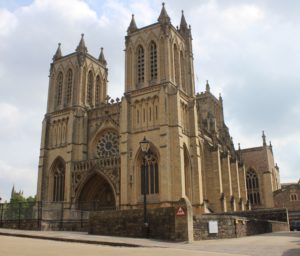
(207, 87)
(264, 138)
(12, 192)
(220, 99)
(164, 17)
(239, 145)
(132, 26)
(81, 47)
(183, 24)
(57, 54)
(102, 58)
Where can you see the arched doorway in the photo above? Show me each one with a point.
(97, 194)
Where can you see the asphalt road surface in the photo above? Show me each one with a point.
(275, 244)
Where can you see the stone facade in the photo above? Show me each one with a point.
(289, 197)
(262, 174)
(90, 155)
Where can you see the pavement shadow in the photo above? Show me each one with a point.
(291, 234)
(292, 252)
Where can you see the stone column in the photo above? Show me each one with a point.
(226, 179)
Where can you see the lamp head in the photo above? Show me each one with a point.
(145, 145)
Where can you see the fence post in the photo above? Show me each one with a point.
(81, 218)
(39, 216)
(62, 216)
(19, 216)
(1, 223)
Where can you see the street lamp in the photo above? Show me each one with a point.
(145, 145)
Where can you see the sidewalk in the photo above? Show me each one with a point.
(271, 244)
(83, 237)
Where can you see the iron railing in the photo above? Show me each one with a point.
(52, 215)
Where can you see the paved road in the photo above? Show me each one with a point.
(275, 244)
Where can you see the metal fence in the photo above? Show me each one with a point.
(49, 215)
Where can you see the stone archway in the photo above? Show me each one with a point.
(97, 194)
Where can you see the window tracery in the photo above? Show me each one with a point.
(108, 145)
(140, 64)
(153, 61)
(59, 86)
(98, 88)
(90, 88)
(149, 167)
(58, 181)
(253, 187)
(69, 86)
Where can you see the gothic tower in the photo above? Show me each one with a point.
(159, 104)
(77, 86)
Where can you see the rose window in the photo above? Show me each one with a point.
(108, 145)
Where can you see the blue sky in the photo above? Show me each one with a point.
(248, 50)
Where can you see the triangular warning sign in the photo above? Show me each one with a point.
(180, 212)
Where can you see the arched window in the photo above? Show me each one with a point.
(149, 175)
(90, 88)
(294, 197)
(69, 86)
(58, 181)
(176, 64)
(59, 86)
(153, 61)
(253, 187)
(98, 90)
(140, 64)
(182, 71)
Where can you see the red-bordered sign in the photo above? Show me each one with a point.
(180, 211)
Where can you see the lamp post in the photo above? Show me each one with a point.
(145, 145)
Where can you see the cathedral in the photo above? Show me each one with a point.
(90, 154)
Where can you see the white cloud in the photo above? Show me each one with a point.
(8, 22)
(24, 178)
(10, 118)
(241, 17)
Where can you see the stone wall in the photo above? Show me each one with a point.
(66, 225)
(233, 226)
(130, 223)
(170, 223)
(279, 214)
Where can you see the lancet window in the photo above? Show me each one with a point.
(90, 88)
(140, 64)
(153, 61)
(98, 89)
(149, 175)
(58, 181)
(253, 187)
(59, 87)
(69, 86)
